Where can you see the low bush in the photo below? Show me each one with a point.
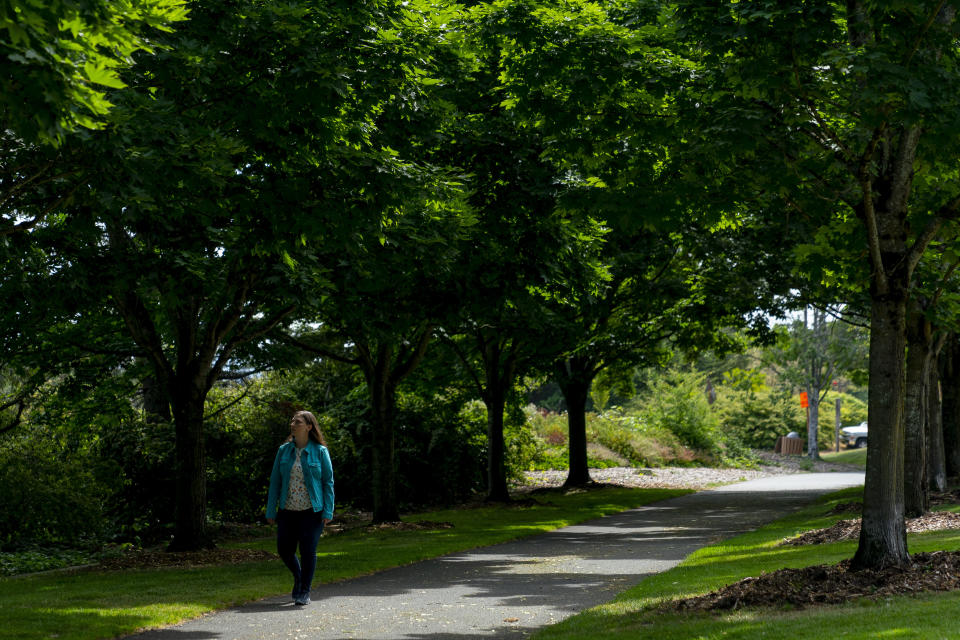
(676, 402)
(615, 437)
(644, 445)
(51, 495)
(758, 417)
(18, 562)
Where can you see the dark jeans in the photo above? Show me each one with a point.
(303, 529)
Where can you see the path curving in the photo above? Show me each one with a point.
(511, 590)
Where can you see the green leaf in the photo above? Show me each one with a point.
(102, 76)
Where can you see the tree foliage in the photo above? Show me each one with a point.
(61, 58)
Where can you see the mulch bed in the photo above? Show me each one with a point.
(850, 529)
(831, 584)
(142, 559)
(156, 559)
(410, 526)
(947, 497)
(835, 584)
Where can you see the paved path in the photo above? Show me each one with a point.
(510, 590)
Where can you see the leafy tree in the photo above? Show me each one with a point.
(391, 285)
(852, 101)
(931, 316)
(603, 96)
(524, 242)
(252, 206)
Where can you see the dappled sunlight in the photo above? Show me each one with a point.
(172, 611)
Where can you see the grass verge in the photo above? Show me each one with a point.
(634, 614)
(855, 457)
(87, 605)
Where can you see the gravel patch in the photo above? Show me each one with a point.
(772, 464)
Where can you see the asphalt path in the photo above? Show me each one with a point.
(513, 589)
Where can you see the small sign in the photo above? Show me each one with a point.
(804, 403)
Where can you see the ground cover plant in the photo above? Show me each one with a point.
(652, 609)
(99, 603)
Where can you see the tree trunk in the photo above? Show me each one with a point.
(190, 520)
(883, 535)
(383, 368)
(495, 399)
(156, 403)
(813, 419)
(936, 463)
(915, 491)
(950, 390)
(499, 373)
(575, 394)
(575, 377)
(382, 406)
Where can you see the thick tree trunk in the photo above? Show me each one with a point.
(499, 370)
(575, 377)
(936, 463)
(575, 395)
(950, 390)
(495, 399)
(383, 368)
(190, 520)
(915, 491)
(382, 406)
(883, 535)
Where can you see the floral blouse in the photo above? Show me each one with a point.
(297, 497)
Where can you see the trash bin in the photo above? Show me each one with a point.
(790, 444)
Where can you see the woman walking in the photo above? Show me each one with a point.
(300, 500)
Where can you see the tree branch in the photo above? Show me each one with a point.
(869, 213)
(416, 354)
(320, 351)
(447, 340)
(246, 392)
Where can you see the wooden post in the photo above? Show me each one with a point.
(836, 423)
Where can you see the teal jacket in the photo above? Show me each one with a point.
(317, 474)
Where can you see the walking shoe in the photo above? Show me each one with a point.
(303, 599)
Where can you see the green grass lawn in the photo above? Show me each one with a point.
(856, 457)
(633, 614)
(86, 605)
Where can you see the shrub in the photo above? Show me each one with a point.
(676, 402)
(143, 455)
(441, 449)
(758, 418)
(641, 444)
(50, 494)
(615, 437)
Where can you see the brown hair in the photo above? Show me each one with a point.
(314, 433)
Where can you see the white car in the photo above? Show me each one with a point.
(855, 437)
